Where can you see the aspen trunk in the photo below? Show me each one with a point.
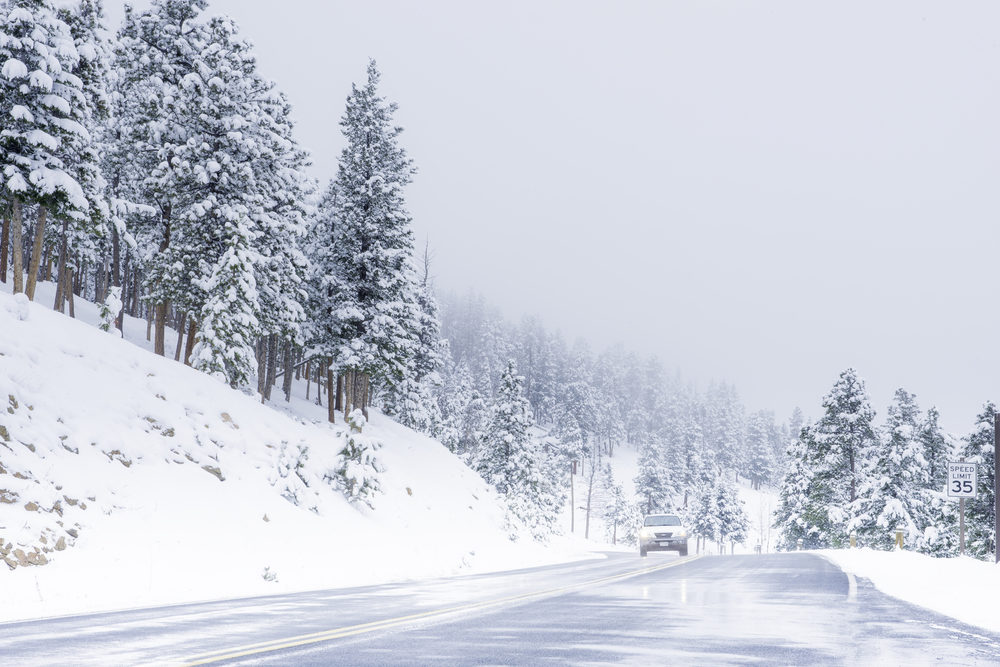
(4, 243)
(36, 253)
(15, 242)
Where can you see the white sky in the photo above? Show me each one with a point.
(762, 192)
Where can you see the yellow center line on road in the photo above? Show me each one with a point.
(347, 631)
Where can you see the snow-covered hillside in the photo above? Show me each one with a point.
(136, 480)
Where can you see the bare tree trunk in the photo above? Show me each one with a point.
(116, 272)
(286, 379)
(340, 391)
(180, 336)
(272, 365)
(260, 352)
(331, 411)
(348, 392)
(189, 348)
(15, 242)
(60, 300)
(308, 380)
(4, 243)
(149, 323)
(72, 307)
(163, 307)
(137, 294)
(47, 263)
(36, 253)
(365, 395)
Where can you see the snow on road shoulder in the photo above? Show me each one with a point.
(964, 588)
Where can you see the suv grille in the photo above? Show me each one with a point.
(663, 534)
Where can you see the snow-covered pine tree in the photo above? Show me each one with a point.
(796, 517)
(412, 400)
(617, 509)
(514, 464)
(504, 456)
(841, 439)
(653, 482)
(759, 463)
(229, 317)
(83, 233)
(43, 135)
(733, 521)
(359, 467)
(891, 493)
(936, 450)
(159, 65)
(980, 512)
(723, 427)
(702, 515)
(366, 324)
(280, 224)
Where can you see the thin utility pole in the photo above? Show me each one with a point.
(996, 483)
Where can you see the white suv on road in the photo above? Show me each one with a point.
(663, 532)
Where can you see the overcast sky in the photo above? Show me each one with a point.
(761, 192)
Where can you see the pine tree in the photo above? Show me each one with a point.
(760, 463)
(980, 512)
(229, 317)
(841, 439)
(796, 517)
(366, 321)
(159, 59)
(891, 494)
(507, 440)
(514, 464)
(653, 482)
(935, 450)
(733, 522)
(44, 134)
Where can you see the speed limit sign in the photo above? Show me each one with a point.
(961, 480)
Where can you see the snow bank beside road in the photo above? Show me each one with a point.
(127, 480)
(963, 588)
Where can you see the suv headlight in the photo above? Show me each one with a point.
(682, 532)
(645, 533)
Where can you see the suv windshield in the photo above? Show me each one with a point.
(662, 520)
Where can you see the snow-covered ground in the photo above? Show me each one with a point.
(141, 481)
(963, 588)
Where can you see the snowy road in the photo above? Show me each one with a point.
(780, 609)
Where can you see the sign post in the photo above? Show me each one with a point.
(996, 484)
(961, 485)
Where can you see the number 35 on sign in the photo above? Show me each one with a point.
(961, 480)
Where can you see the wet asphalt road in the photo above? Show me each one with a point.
(785, 609)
